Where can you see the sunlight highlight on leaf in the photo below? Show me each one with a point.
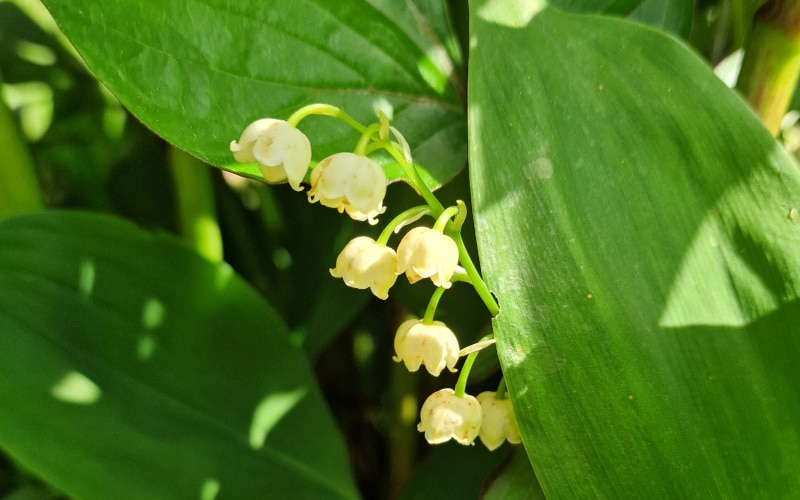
(270, 411)
(76, 388)
(86, 277)
(152, 313)
(210, 489)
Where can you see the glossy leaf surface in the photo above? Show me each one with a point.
(198, 72)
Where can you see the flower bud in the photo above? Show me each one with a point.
(349, 183)
(365, 264)
(427, 253)
(282, 151)
(444, 415)
(499, 422)
(433, 345)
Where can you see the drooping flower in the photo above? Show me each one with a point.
(433, 345)
(349, 183)
(499, 422)
(445, 415)
(365, 264)
(427, 253)
(282, 151)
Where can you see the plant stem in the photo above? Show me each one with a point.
(461, 384)
(444, 218)
(771, 63)
(432, 305)
(501, 389)
(474, 275)
(417, 183)
(324, 110)
(405, 217)
(19, 187)
(196, 208)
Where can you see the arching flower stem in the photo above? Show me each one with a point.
(366, 136)
(432, 305)
(400, 220)
(416, 180)
(472, 272)
(324, 110)
(461, 384)
(444, 218)
(501, 389)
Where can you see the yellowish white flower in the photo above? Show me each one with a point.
(499, 422)
(365, 264)
(282, 151)
(427, 253)
(349, 183)
(433, 345)
(445, 416)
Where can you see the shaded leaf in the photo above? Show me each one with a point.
(453, 471)
(132, 368)
(673, 16)
(514, 480)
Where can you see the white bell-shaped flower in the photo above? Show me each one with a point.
(445, 415)
(349, 183)
(499, 422)
(433, 345)
(427, 253)
(282, 151)
(365, 264)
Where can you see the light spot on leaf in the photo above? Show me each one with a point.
(145, 347)
(209, 489)
(541, 168)
(76, 388)
(152, 313)
(270, 411)
(86, 277)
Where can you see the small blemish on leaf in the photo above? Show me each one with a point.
(793, 214)
(630, 397)
(589, 296)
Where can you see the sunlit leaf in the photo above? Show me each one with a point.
(634, 220)
(198, 72)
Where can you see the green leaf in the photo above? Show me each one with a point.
(453, 471)
(618, 7)
(638, 226)
(199, 72)
(674, 16)
(132, 368)
(515, 480)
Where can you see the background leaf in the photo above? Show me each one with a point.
(198, 72)
(673, 16)
(152, 372)
(645, 260)
(514, 480)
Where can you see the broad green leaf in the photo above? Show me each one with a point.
(198, 72)
(132, 368)
(639, 228)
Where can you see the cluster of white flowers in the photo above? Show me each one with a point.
(446, 416)
(355, 184)
(345, 181)
(423, 253)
